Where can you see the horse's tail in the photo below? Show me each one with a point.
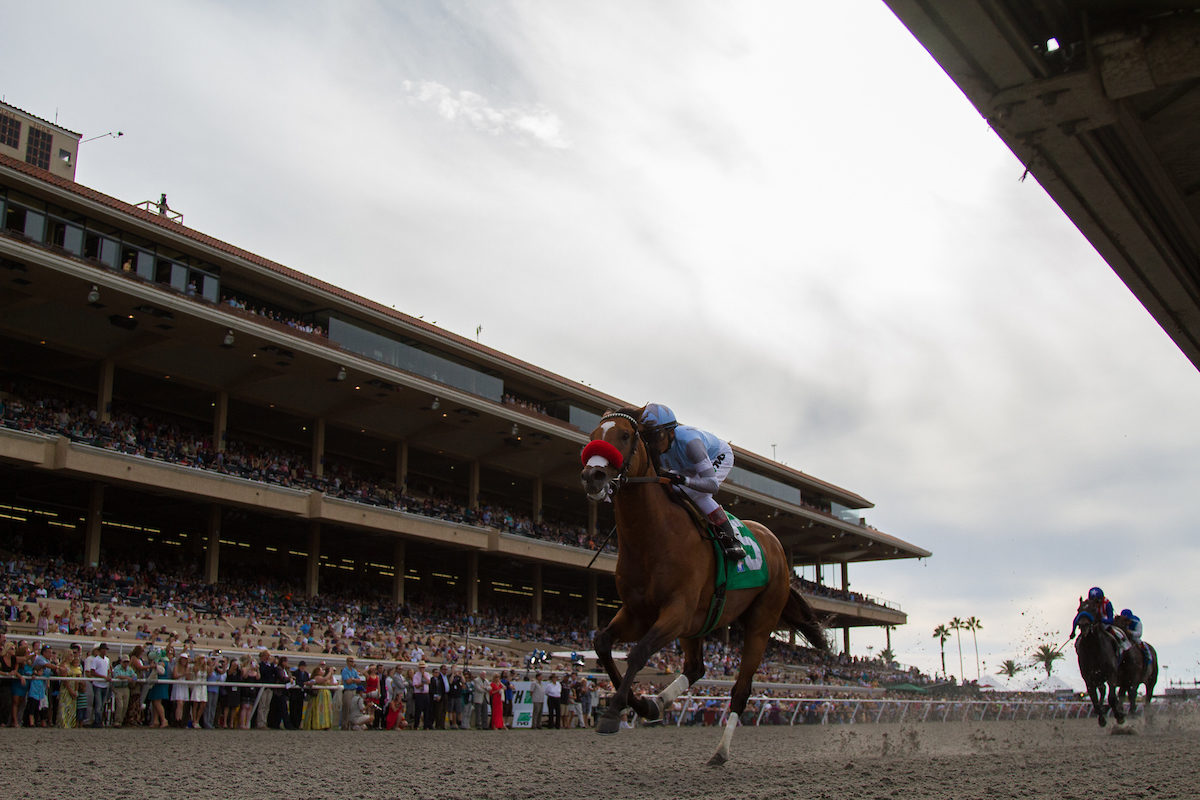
(800, 616)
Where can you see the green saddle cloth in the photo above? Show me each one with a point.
(751, 571)
(748, 573)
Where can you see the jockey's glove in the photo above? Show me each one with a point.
(677, 479)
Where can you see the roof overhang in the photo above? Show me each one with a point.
(1100, 100)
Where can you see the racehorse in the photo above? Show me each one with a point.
(1134, 671)
(666, 578)
(1099, 656)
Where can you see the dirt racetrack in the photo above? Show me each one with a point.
(1073, 760)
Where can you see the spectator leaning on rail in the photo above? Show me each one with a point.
(696, 461)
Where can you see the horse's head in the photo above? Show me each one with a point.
(1088, 614)
(616, 450)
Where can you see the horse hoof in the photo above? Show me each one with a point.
(607, 727)
(1102, 721)
(718, 759)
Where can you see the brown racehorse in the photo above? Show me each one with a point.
(665, 576)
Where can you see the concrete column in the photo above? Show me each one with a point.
(220, 420)
(537, 592)
(312, 578)
(398, 553)
(318, 447)
(105, 390)
(472, 583)
(95, 515)
(473, 485)
(402, 465)
(212, 558)
(537, 500)
(846, 587)
(593, 612)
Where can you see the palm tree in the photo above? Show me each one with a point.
(942, 633)
(957, 625)
(1009, 669)
(973, 624)
(887, 656)
(1046, 655)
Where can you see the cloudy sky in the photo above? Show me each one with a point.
(780, 218)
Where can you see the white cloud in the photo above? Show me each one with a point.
(536, 123)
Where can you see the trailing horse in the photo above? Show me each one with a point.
(1134, 670)
(674, 585)
(1099, 656)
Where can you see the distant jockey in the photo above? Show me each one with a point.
(1131, 623)
(697, 462)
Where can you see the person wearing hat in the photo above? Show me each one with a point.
(123, 674)
(420, 684)
(98, 671)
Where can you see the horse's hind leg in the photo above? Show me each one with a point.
(753, 647)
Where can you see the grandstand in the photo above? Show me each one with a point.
(167, 397)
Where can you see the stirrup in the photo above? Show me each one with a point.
(731, 547)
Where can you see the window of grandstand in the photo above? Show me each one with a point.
(104, 249)
(24, 221)
(403, 356)
(67, 235)
(10, 130)
(37, 148)
(136, 260)
(768, 486)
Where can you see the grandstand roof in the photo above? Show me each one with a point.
(1099, 99)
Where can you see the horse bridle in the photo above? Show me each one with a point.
(621, 478)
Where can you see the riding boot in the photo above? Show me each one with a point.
(726, 537)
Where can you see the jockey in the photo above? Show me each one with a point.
(698, 462)
(1103, 603)
(1133, 624)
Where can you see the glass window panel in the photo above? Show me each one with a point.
(35, 225)
(403, 356)
(179, 277)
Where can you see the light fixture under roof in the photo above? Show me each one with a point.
(227, 339)
(341, 374)
(436, 404)
(93, 296)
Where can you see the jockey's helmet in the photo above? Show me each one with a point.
(656, 415)
(1125, 612)
(1095, 593)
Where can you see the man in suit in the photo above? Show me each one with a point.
(268, 674)
(300, 677)
(439, 694)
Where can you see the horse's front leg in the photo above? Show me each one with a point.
(1115, 704)
(1095, 692)
(663, 631)
(693, 671)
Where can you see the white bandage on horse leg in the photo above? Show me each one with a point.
(677, 687)
(731, 723)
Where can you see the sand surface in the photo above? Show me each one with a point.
(1072, 760)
